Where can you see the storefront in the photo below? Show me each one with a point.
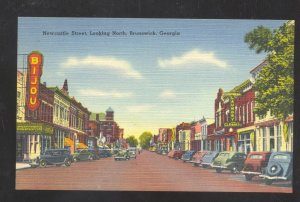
(246, 140)
(32, 139)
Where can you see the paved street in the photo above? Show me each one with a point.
(149, 172)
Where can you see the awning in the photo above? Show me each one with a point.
(81, 146)
(68, 142)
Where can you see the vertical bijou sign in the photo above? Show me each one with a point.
(35, 62)
(232, 123)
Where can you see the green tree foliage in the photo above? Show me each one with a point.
(145, 138)
(132, 141)
(275, 82)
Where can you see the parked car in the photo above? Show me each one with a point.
(280, 167)
(122, 155)
(176, 154)
(197, 158)
(82, 155)
(152, 149)
(162, 151)
(233, 161)
(104, 153)
(132, 152)
(56, 157)
(188, 155)
(95, 153)
(208, 158)
(255, 164)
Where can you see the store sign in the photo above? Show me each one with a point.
(232, 123)
(35, 128)
(35, 61)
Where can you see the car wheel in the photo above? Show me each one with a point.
(274, 169)
(218, 170)
(204, 166)
(234, 169)
(268, 182)
(57, 165)
(248, 177)
(43, 163)
(68, 162)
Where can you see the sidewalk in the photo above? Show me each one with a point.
(20, 165)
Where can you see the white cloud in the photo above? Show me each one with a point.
(103, 62)
(139, 108)
(193, 57)
(167, 94)
(105, 94)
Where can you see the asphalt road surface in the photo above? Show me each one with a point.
(149, 172)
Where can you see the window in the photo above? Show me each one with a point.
(279, 142)
(281, 157)
(256, 156)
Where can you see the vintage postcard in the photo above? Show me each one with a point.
(121, 104)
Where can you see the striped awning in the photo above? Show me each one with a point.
(68, 142)
(81, 146)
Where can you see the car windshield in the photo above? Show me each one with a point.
(256, 156)
(224, 155)
(280, 156)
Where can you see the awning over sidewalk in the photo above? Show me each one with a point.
(68, 142)
(81, 146)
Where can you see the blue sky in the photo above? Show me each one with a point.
(149, 81)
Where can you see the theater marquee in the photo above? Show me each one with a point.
(35, 62)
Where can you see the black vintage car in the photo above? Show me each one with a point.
(56, 157)
(104, 153)
(280, 167)
(95, 153)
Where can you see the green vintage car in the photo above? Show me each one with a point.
(233, 161)
(122, 155)
(82, 155)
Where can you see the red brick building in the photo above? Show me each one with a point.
(109, 128)
(233, 112)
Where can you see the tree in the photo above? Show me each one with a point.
(132, 141)
(145, 138)
(275, 83)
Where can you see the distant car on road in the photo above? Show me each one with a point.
(197, 158)
(188, 155)
(175, 154)
(95, 153)
(162, 151)
(122, 155)
(132, 152)
(208, 158)
(104, 153)
(233, 161)
(255, 163)
(280, 167)
(56, 157)
(82, 155)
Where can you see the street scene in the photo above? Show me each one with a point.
(155, 105)
(148, 172)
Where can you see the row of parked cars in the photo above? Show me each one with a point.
(272, 166)
(60, 157)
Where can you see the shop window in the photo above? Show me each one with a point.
(272, 141)
(264, 131)
(279, 140)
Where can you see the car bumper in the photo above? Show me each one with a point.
(34, 164)
(215, 166)
(250, 173)
(116, 157)
(207, 164)
(273, 178)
